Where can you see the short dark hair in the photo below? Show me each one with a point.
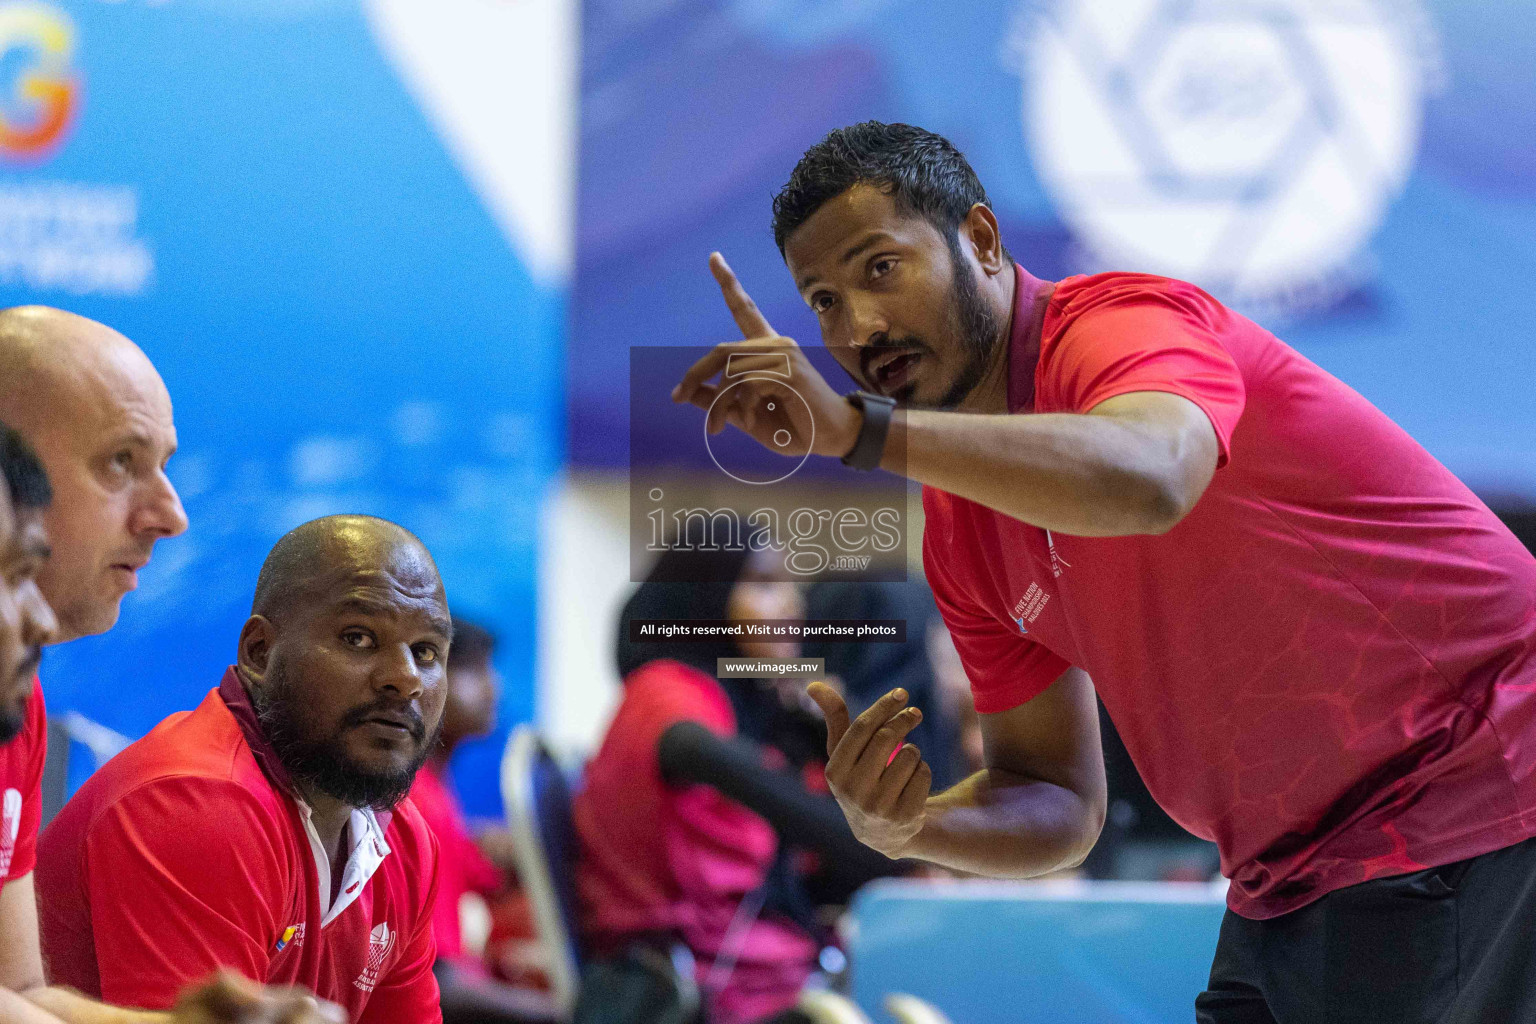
(24, 473)
(923, 172)
(472, 642)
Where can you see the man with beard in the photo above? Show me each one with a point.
(1317, 644)
(26, 623)
(95, 412)
(265, 831)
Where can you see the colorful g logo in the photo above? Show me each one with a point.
(38, 101)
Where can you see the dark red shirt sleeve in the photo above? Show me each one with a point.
(1005, 668)
(181, 876)
(31, 749)
(1163, 339)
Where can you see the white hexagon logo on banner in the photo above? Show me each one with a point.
(1250, 146)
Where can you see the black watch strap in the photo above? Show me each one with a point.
(870, 447)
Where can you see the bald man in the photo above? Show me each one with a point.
(93, 406)
(267, 830)
(86, 514)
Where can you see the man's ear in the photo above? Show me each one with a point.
(255, 650)
(980, 226)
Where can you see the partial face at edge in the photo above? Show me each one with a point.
(899, 312)
(26, 621)
(353, 681)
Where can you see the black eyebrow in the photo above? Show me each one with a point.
(370, 607)
(868, 243)
(873, 240)
(364, 605)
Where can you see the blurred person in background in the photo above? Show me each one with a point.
(1318, 645)
(469, 993)
(686, 827)
(88, 483)
(266, 831)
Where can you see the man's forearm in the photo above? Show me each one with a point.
(69, 1007)
(1082, 474)
(16, 1008)
(1006, 826)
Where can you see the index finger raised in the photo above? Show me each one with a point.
(743, 310)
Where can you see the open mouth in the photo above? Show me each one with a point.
(889, 373)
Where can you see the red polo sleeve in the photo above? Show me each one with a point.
(1005, 669)
(1150, 338)
(183, 876)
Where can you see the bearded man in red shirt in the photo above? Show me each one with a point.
(89, 498)
(1318, 645)
(267, 831)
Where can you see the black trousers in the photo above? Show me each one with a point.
(1454, 944)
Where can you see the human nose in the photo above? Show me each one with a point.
(866, 322)
(39, 625)
(158, 511)
(397, 671)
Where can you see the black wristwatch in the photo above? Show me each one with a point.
(870, 446)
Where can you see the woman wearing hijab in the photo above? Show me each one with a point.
(681, 816)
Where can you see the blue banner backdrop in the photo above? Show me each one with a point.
(251, 192)
(1357, 174)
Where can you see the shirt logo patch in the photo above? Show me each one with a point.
(293, 935)
(380, 941)
(1030, 606)
(10, 827)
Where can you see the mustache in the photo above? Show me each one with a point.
(357, 716)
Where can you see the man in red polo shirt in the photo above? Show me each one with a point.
(92, 407)
(267, 830)
(1318, 645)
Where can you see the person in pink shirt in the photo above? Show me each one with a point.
(683, 823)
(1317, 644)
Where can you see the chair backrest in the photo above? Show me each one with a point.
(55, 770)
(538, 801)
(63, 773)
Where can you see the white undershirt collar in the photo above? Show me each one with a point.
(369, 848)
